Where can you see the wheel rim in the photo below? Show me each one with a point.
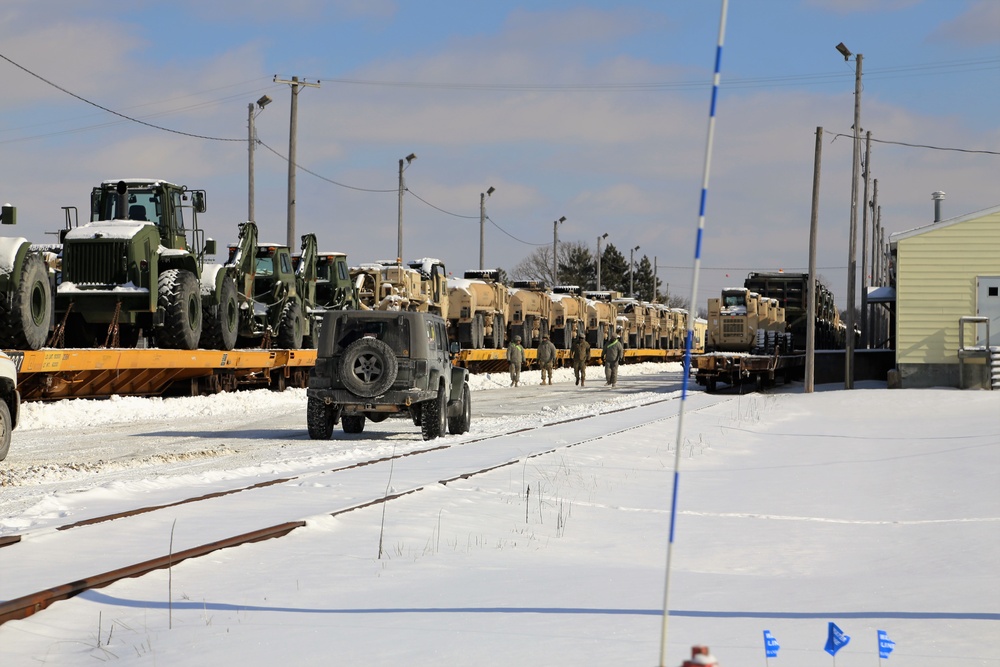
(368, 368)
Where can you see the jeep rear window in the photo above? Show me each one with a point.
(394, 333)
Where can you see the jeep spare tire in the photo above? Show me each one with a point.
(368, 367)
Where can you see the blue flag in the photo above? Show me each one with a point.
(770, 645)
(836, 639)
(885, 645)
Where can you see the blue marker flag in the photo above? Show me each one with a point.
(836, 639)
(885, 645)
(771, 645)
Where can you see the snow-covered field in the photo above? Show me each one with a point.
(875, 509)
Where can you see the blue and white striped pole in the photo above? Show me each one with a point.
(692, 313)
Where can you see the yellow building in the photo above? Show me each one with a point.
(944, 272)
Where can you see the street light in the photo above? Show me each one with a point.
(852, 264)
(399, 241)
(482, 222)
(252, 140)
(631, 276)
(599, 239)
(555, 244)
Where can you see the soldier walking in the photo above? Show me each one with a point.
(612, 356)
(579, 354)
(515, 359)
(546, 358)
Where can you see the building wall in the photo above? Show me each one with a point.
(936, 285)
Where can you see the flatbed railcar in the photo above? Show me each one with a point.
(738, 368)
(56, 373)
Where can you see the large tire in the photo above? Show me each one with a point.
(221, 325)
(291, 327)
(460, 424)
(321, 417)
(180, 299)
(353, 423)
(497, 340)
(466, 339)
(6, 426)
(26, 313)
(368, 367)
(478, 332)
(434, 415)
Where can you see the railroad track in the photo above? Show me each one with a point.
(73, 548)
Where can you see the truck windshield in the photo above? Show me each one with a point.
(141, 205)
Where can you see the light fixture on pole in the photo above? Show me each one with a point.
(599, 239)
(631, 272)
(852, 262)
(399, 240)
(555, 246)
(482, 223)
(252, 140)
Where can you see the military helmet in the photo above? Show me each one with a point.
(517, 339)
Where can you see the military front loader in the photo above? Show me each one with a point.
(323, 282)
(271, 306)
(25, 292)
(133, 272)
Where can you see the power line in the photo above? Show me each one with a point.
(935, 148)
(467, 217)
(321, 177)
(936, 68)
(504, 231)
(112, 111)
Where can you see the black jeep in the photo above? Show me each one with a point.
(372, 364)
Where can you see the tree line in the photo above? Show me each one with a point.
(578, 266)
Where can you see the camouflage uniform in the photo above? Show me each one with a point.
(612, 356)
(515, 359)
(580, 354)
(546, 358)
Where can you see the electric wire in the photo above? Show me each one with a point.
(112, 111)
(909, 145)
(320, 176)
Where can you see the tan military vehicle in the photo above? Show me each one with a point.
(602, 316)
(569, 315)
(477, 310)
(530, 311)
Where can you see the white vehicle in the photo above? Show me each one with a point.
(10, 402)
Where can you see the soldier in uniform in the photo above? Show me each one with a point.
(515, 359)
(579, 354)
(612, 356)
(546, 358)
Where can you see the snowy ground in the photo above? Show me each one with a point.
(874, 509)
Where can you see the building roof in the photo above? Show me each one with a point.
(916, 231)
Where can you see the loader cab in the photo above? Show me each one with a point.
(273, 267)
(155, 202)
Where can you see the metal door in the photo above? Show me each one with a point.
(988, 305)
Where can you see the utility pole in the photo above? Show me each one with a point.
(810, 379)
(252, 140)
(864, 244)
(402, 188)
(555, 247)
(631, 272)
(292, 132)
(599, 239)
(852, 262)
(482, 224)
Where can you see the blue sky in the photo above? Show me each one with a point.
(596, 111)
